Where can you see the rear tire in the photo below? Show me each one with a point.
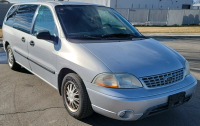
(75, 96)
(11, 59)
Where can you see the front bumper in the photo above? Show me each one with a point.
(110, 106)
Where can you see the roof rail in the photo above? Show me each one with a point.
(56, 1)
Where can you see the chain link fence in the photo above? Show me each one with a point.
(161, 17)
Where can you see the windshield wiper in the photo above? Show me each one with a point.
(82, 37)
(121, 35)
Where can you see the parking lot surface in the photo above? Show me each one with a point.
(26, 100)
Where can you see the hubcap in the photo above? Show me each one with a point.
(10, 57)
(71, 96)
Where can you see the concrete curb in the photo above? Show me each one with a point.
(172, 34)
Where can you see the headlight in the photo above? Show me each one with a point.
(187, 68)
(111, 80)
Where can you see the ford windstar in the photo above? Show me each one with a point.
(96, 59)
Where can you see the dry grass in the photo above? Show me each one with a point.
(184, 29)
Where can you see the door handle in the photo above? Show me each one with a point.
(23, 39)
(32, 43)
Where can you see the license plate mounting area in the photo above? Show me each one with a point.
(176, 100)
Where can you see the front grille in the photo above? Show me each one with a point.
(163, 79)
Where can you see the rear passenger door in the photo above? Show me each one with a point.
(20, 26)
(43, 53)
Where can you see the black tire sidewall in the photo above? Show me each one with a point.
(8, 47)
(78, 113)
(15, 65)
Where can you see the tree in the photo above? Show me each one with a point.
(4, 1)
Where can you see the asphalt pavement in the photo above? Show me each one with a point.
(3, 57)
(26, 100)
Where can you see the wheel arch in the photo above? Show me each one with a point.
(6, 44)
(61, 75)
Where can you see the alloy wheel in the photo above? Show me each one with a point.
(10, 57)
(71, 96)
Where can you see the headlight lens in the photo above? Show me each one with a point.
(187, 68)
(117, 81)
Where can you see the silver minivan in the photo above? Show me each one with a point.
(96, 60)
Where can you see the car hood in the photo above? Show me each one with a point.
(141, 58)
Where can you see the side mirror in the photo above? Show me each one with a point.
(44, 34)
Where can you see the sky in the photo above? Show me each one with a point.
(16, 1)
(196, 1)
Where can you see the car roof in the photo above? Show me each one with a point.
(55, 3)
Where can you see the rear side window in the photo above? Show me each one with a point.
(24, 17)
(45, 21)
(11, 16)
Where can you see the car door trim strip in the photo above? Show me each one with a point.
(21, 54)
(44, 67)
(35, 62)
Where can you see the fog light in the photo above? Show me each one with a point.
(121, 114)
(126, 114)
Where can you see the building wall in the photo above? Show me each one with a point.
(3, 10)
(161, 17)
(101, 2)
(153, 4)
(141, 4)
(196, 6)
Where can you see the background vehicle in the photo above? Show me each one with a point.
(96, 59)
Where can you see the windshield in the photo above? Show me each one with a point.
(94, 22)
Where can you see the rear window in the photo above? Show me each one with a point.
(24, 17)
(20, 17)
(11, 16)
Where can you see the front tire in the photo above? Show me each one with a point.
(11, 59)
(75, 97)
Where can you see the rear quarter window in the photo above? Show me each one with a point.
(10, 18)
(24, 17)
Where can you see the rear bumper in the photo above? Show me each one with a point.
(141, 107)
